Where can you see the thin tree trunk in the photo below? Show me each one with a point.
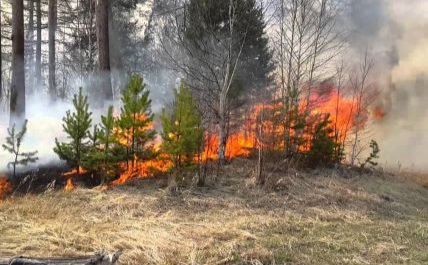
(102, 22)
(1, 54)
(52, 33)
(39, 45)
(288, 99)
(30, 43)
(17, 97)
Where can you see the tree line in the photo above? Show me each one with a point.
(47, 44)
(272, 62)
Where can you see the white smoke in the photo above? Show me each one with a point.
(44, 124)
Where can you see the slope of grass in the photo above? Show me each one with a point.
(317, 217)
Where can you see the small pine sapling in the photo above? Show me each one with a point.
(105, 153)
(13, 145)
(374, 155)
(135, 121)
(76, 125)
(182, 131)
(323, 147)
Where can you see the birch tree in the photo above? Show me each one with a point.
(306, 40)
(208, 42)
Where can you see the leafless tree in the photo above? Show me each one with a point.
(211, 63)
(364, 93)
(305, 42)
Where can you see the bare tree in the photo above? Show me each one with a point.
(209, 63)
(52, 24)
(306, 40)
(17, 98)
(363, 96)
(102, 21)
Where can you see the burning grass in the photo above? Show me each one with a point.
(300, 218)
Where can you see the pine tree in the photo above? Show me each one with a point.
(373, 156)
(182, 132)
(13, 146)
(76, 125)
(135, 121)
(105, 153)
(323, 147)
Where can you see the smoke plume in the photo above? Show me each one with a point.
(394, 31)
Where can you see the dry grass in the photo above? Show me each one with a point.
(301, 218)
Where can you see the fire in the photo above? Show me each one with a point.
(379, 113)
(75, 172)
(242, 142)
(137, 168)
(69, 186)
(142, 169)
(5, 188)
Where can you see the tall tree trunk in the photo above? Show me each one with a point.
(102, 22)
(30, 47)
(17, 97)
(52, 64)
(39, 44)
(1, 55)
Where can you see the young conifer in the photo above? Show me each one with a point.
(105, 153)
(13, 145)
(182, 131)
(76, 125)
(135, 120)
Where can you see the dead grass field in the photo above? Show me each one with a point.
(317, 217)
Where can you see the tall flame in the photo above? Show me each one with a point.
(242, 142)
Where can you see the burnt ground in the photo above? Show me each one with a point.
(51, 177)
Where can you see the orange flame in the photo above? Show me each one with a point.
(5, 188)
(141, 169)
(75, 172)
(242, 142)
(379, 113)
(69, 186)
